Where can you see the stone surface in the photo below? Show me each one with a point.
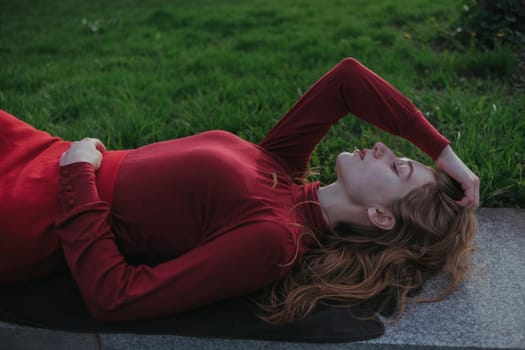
(488, 310)
(485, 312)
(18, 338)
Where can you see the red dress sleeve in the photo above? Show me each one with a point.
(234, 264)
(349, 87)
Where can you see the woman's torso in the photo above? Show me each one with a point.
(169, 197)
(172, 196)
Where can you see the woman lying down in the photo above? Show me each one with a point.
(178, 224)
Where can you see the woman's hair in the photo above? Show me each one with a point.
(354, 265)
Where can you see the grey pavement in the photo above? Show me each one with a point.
(485, 312)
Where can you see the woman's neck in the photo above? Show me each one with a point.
(337, 207)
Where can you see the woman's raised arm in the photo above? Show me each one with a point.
(350, 87)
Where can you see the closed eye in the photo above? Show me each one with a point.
(395, 168)
(409, 164)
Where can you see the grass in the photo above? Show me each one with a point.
(135, 72)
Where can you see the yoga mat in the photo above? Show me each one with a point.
(55, 303)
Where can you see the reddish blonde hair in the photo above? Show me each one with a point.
(353, 264)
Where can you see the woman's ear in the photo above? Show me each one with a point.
(381, 218)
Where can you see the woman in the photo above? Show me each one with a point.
(178, 224)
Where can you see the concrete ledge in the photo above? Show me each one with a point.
(486, 312)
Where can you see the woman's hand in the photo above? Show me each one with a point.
(450, 163)
(86, 150)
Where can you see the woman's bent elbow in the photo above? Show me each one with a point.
(349, 63)
(348, 69)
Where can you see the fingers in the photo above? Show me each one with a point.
(86, 150)
(466, 202)
(476, 192)
(96, 142)
(471, 198)
(451, 164)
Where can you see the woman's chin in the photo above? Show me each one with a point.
(344, 157)
(342, 162)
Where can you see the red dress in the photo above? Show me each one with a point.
(178, 224)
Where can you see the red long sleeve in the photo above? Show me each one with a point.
(114, 290)
(349, 87)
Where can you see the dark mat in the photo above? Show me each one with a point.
(55, 303)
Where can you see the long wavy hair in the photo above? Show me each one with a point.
(352, 265)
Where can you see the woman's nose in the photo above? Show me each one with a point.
(381, 150)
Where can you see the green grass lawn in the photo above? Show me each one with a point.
(135, 72)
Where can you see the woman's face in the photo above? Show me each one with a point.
(376, 177)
